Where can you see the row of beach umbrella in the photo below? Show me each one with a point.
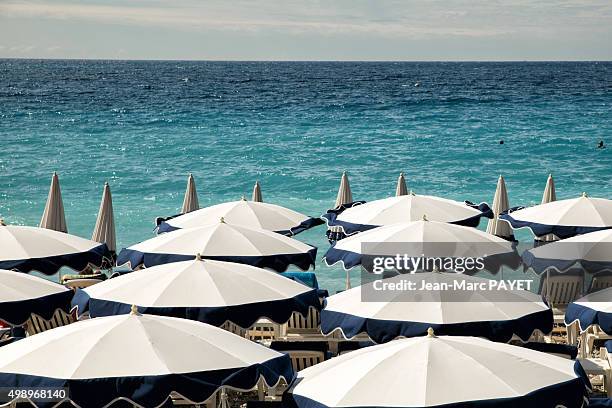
(193, 263)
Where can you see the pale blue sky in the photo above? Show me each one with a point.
(308, 30)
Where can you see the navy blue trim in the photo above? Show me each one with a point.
(303, 226)
(18, 312)
(588, 317)
(244, 315)
(600, 402)
(561, 231)
(569, 394)
(98, 256)
(540, 265)
(382, 331)
(152, 391)
(553, 348)
(277, 262)
(349, 228)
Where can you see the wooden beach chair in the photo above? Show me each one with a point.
(559, 290)
(602, 280)
(37, 324)
(263, 330)
(302, 327)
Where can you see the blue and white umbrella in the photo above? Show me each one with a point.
(209, 291)
(397, 311)
(405, 208)
(564, 218)
(592, 251)
(138, 358)
(224, 242)
(22, 295)
(44, 250)
(249, 214)
(590, 310)
(421, 239)
(449, 372)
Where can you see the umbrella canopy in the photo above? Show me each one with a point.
(549, 196)
(592, 251)
(421, 239)
(493, 314)
(441, 372)
(53, 216)
(22, 294)
(250, 214)
(31, 248)
(345, 195)
(500, 204)
(401, 189)
(203, 290)
(257, 197)
(190, 201)
(141, 358)
(405, 208)
(225, 242)
(592, 309)
(104, 230)
(564, 218)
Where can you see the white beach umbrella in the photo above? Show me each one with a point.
(564, 218)
(250, 214)
(401, 189)
(386, 309)
(593, 251)
(257, 197)
(345, 195)
(104, 230)
(441, 371)
(594, 309)
(225, 242)
(549, 196)
(22, 294)
(44, 250)
(500, 204)
(419, 239)
(209, 291)
(140, 358)
(405, 208)
(53, 216)
(190, 201)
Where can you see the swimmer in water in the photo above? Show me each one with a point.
(601, 145)
(501, 142)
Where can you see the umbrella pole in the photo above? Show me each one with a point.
(224, 400)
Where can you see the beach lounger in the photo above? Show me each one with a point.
(559, 290)
(601, 280)
(234, 328)
(264, 330)
(299, 326)
(303, 354)
(37, 324)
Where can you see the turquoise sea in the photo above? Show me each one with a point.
(143, 126)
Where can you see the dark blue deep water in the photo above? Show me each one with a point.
(142, 126)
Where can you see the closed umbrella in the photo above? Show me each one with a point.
(592, 251)
(590, 310)
(500, 204)
(250, 214)
(401, 189)
(419, 239)
(44, 250)
(104, 230)
(345, 195)
(225, 242)
(138, 358)
(22, 295)
(257, 197)
(549, 196)
(405, 208)
(496, 314)
(190, 201)
(209, 291)
(441, 371)
(53, 216)
(564, 218)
